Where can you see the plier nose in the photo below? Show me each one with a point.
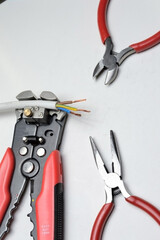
(113, 180)
(112, 60)
(114, 185)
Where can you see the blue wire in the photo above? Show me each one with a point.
(64, 110)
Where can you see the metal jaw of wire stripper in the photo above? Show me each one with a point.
(112, 60)
(114, 185)
(34, 158)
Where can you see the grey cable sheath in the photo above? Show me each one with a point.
(12, 106)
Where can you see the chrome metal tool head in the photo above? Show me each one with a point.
(108, 63)
(116, 166)
(111, 62)
(115, 155)
(113, 180)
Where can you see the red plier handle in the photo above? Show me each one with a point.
(49, 204)
(6, 172)
(101, 220)
(103, 29)
(106, 210)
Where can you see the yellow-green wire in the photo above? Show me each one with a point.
(66, 107)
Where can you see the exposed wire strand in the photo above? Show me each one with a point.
(68, 109)
(71, 108)
(71, 102)
(77, 114)
(83, 110)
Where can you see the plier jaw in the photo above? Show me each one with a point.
(113, 181)
(108, 63)
(111, 62)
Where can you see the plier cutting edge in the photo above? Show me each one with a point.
(114, 185)
(112, 60)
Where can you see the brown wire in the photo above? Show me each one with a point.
(71, 102)
(77, 114)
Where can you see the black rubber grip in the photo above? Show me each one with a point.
(59, 212)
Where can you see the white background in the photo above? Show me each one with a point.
(54, 45)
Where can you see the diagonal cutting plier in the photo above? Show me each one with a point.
(112, 60)
(114, 185)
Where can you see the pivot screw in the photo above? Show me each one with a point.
(41, 140)
(41, 115)
(41, 152)
(28, 167)
(36, 108)
(25, 139)
(23, 151)
(28, 112)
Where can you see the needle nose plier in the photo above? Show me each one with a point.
(114, 185)
(112, 60)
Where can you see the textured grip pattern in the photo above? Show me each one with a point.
(45, 203)
(59, 212)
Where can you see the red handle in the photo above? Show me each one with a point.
(138, 47)
(145, 206)
(101, 220)
(102, 20)
(6, 172)
(146, 44)
(47, 200)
